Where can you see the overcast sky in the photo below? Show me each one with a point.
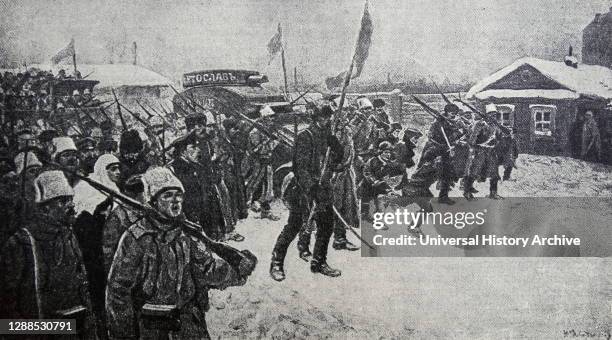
(459, 39)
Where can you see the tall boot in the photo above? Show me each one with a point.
(325, 227)
(444, 189)
(277, 272)
(468, 187)
(493, 189)
(507, 173)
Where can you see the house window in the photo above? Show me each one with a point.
(505, 115)
(543, 119)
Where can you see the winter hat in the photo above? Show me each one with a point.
(378, 102)
(32, 160)
(159, 179)
(61, 144)
(51, 184)
(451, 108)
(193, 119)
(490, 108)
(364, 103)
(130, 142)
(384, 146)
(412, 132)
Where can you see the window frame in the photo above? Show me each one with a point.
(543, 109)
(506, 108)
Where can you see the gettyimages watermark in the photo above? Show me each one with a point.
(524, 227)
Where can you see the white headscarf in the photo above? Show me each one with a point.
(86, 198)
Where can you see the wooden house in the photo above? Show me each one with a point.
(545, 101)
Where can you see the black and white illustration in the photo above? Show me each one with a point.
(263, 169)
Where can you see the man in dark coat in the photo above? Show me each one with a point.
(159, 280)
(591, 140)
(195, 165)
(441, 134)
(311, 185)
(132, 155)
(43, 272)
(483, 155)
(236, 147)
(375, 176)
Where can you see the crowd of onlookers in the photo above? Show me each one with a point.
(32, 91)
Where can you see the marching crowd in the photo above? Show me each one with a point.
(72, 250)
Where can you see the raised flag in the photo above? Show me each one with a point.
(362, 50)
(337, 81)
(275, 44)
(64, 53)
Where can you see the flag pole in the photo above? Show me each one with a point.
(74, 61)
(285, 72)
(295, 80)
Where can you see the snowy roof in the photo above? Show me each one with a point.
(112, 75)
(589, 80)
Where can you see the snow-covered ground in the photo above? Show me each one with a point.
(425, 297)
(442, 297)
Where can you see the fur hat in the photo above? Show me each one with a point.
(413, 132)
(130, 142)
(159, 179)
(378, 102)
(193, 119)
(31, 161)
(490, 108)
(364, 103)
(384, 146)
(451, 108)
(61, 144)
(51, 184)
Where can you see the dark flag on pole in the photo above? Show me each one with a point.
(64, 53)
(333, 82)
(275, 44)
(362, 50)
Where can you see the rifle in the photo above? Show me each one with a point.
(301, 95)
(228, 253)
(137, 117)
(123, 124)
(149, 114)
(493, 121)
(182, 98)
(433, 112)
(441, 93)
(89, 116)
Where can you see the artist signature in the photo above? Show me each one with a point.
(587, 334)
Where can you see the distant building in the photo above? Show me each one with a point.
(545, 101)
(597, 41)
